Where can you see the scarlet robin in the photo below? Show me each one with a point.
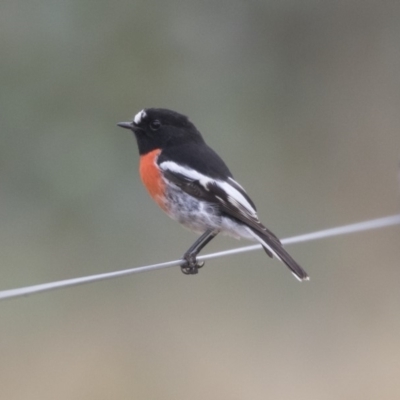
(193, 185)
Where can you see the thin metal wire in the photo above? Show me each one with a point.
(341, 230)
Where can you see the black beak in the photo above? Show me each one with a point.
(126, 125)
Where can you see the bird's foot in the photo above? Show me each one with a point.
(191, 266)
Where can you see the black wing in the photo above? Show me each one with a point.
(228, 196)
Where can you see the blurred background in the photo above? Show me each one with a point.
(302, 101)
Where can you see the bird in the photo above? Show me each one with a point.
(194, 186)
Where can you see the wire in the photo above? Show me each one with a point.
(341, 230)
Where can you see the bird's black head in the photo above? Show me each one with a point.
(159, 128)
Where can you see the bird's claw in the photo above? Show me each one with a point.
(191, 266)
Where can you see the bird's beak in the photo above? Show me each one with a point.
(126, 125)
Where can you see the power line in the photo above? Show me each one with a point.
(341, 230)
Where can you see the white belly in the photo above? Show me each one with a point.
(199, 215)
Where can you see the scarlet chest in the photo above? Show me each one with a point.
(151, 177)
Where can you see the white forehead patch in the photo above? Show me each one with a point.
(139, 116)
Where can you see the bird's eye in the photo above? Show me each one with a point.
(154, 125)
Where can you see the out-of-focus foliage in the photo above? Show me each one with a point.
(300, 98)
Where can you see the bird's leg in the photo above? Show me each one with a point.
(191, 266)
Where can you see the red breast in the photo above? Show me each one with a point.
(151, 177)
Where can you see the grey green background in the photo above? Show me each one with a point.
(301, 98)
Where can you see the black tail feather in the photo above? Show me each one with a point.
(273, 247)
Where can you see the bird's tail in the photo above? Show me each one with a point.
(274, 248)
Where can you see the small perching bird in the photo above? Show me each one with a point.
(192, 184)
